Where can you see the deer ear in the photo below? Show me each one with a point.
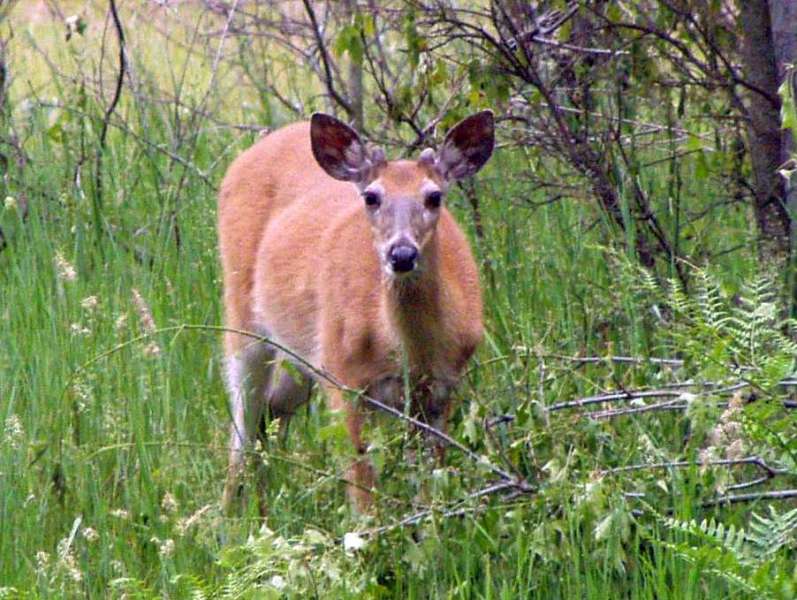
(467, 147)
(338, 149)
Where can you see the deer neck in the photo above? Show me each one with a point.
(413, 307)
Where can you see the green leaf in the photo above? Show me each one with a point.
(694, 143)
(334, 432)
(293, 371)
(56, 132)
(413, 40)
(349, 41)
(701, 167)
(440, 73)
(368, 25)
(788, 108)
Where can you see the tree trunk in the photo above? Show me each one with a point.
(766, 149)
(3, 127)
(784, 41)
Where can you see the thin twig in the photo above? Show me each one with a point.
(327, 377)
(574, 48)
(254, 453)
(422, 515)
(737, 498)
(615, 396)
(629, 395)
(748, 484)
(98, 201)
(322, 49)
(750, 460)
(671, 362)
(659, 406)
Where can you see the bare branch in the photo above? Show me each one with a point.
(98, 200)
(684, 464)
(420, 516)
(479, 459)
(737, 498)
(329, 80)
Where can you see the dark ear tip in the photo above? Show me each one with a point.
(484, 115)
(487, 116)
(322, 124)
(484, 120)
(319, 118)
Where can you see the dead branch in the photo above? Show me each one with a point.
(685, 464)
(329, 79)
(120, 35)
(657, 407)
(359, 395)
(729, 499)
(420, 516)
(613, 397)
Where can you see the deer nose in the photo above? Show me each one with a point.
(402, 258)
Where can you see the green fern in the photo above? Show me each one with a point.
(742, 558)
(712, 561)
(768, 535)
(715, 534)
(191, 586)
(712, 311)
(678, 299)
(729, 339)
(745, 558)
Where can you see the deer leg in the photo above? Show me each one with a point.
(437, 410)
(283, 395)
(247, 380)
(360, 474)
(288, 391)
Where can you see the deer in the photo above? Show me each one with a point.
(351, 268)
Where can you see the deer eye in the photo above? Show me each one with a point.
(372, 199)
(434, 199)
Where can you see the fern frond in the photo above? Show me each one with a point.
(710, 303)
(729, 539)
(769, 534)
(677, 298)
(721, 566)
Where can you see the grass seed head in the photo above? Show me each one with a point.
(65, 271)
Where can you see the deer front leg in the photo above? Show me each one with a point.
(247, 380)
(283, 395)
(360, 475)
(437, 407)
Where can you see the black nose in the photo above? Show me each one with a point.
(402, 258)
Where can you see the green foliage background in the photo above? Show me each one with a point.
(112, 453)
